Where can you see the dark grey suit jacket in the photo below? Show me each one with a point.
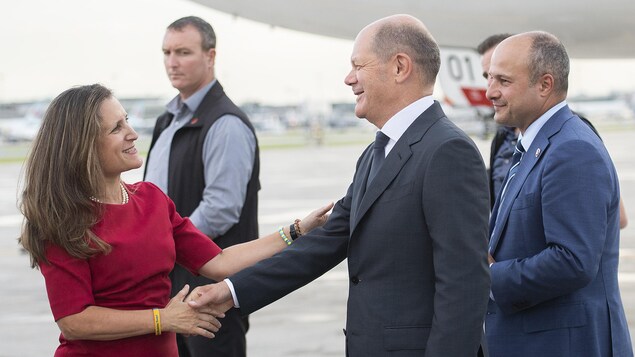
(416, 243)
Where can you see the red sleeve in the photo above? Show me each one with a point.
(193, 248)
(68, 282)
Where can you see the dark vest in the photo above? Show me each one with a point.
(186, 181)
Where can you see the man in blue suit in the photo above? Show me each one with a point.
(413, 223)
(554, 230)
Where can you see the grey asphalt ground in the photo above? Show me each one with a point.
(307, 322)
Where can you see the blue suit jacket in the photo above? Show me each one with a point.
(556, 245)
(416, 243)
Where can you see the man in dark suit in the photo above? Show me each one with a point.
(415, 234)
(204, 155)
(555, 227)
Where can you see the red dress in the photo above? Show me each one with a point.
(147, 237)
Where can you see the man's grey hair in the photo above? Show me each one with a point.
(392, 38)
(548, 55)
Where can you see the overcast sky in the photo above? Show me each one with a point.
(48, 46)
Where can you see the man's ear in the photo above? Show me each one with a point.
(546, 84)
(211, 53)
(402, 67)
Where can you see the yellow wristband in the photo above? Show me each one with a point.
(157, 321)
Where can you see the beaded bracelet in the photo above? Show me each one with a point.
(296, 224)
(157, 321)
(292, 232)
(284, 236)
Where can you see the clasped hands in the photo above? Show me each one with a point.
(207, 303)
(178, 316)
(212, 297)
(198, 312)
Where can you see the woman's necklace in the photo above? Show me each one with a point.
(124, 195)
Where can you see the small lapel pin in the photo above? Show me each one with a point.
(194, 121)
(537, 152)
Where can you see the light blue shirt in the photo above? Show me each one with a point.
(228, 155)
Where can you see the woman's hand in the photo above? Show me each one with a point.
(315, 219)
(179, 317)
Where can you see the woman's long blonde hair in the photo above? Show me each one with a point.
(61, 173)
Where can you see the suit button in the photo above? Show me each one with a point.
(355, 280)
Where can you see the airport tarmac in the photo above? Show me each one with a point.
(307, 322)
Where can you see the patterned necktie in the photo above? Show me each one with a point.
(379, 155)
(518, 155)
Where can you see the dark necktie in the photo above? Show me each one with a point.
(518, 155)
(379, 155)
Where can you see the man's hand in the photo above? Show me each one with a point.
(179, 317)
(217, 297)
(490, 259)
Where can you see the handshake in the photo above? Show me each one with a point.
(214, 296)
(198, 312)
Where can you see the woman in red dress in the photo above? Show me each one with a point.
(105, 247)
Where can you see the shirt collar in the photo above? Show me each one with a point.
(530, 134)
(176, 105)
(397, 125)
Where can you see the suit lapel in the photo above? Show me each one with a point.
(537, 150)
(527, 164)
(396, 159)
(398, 156)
